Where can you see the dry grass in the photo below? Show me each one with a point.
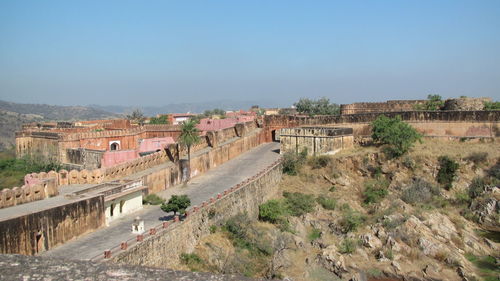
(456, 149)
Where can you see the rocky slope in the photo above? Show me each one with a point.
(372, 218)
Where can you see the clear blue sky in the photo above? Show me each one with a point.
(159, 52)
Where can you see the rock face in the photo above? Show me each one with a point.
(465, 104)
(19, 267)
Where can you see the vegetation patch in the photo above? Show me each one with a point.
(318, 162)
(153, 199)
(292, 162)
(351, 219)
(420, 191)
(486, 265)
(176, 204)
(375, 190)
(193, 261)
(314, 234)
(348, 246)
(396, 134)
(447, 171)
(327, 203)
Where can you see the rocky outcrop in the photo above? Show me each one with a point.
(465, 104)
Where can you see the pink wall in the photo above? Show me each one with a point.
(155, 144)
(111, 158)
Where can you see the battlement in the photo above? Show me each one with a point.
(388, 106)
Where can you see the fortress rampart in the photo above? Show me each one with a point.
(162, 245)
(34, 189)
(448, 124)
(388, 106)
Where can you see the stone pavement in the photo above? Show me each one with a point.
(199, 189)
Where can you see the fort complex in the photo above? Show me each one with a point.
(111, 164)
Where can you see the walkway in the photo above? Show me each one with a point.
(199, 189)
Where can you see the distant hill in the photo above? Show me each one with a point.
(194, 107)
(14, 115)
(56, 112)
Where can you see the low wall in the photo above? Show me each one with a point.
(36, 232)
(33, 190)
(388, 106)
(163, 244)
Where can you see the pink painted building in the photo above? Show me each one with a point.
(115, 157)
(154, 144)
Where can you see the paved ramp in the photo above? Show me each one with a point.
(199, 189)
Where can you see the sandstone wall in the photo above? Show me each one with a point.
(36, 232)
(31, 191)
(465, 103)
(388, 106)
(432, 123)
(163, 248)
(316, 140)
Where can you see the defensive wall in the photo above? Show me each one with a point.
(315, 140)
(447, 124)
(388, 106)
(162, 245)
(160, 170)
(34, 232)
(52, 145)
(33, 190)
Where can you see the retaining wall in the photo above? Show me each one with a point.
(162, 245)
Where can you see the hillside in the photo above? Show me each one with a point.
(14, 115)
(361, 216)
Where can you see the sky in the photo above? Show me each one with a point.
(161, 52)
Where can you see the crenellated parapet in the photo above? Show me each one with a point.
(41, 186)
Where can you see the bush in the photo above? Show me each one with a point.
(419, 191)
(299, 203)
(375, 191)
(237, 226)
(314, 234)
(447, 171)
(327, 203)
(176, 203)
(434, 102)
(398, 135)
(153, 199)
(193, 261)
(292, 162)
(476, 188)
(409, 163)
(273, 211)
(495, 105)
(348, 246)
(318, 162)
(351, 220)
(477, 157)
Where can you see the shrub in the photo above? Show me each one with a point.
(434, 102)
(476, 188)
(447, 171)
(193, 261)
(409, 163)
(495, 105)
(398, 135)
(389, 254)
(299, 203)
(348, 246)
(351, 220)
(462, 198)
(213, 229)
(176, 203)
(318, 162)
(153, 199)
(477, 157)
(314, 234)
(292, 162)
(375, 190)
(273, 211)
(327, 203)
(419, 191)
(237, 226)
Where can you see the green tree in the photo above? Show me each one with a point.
(136, 116)
(434, 102)
(321, 106)
(176, 204)
(189, 137)
(492, 105)
(447, 171)
(163, 119)
(398, 135)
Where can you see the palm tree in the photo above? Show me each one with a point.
(189, 136)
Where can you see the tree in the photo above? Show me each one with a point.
(321, 106)
(447, 171)
(189, 137)
(163, 119)
(492, 105)
(136, 116)
(176, 203)
(434, 102)
(398, 135)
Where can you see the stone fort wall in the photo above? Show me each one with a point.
(388, 106)
(163, 244)
(447, 124)
(31, 191)
(39, 231)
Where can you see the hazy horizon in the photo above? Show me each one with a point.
(155, 53)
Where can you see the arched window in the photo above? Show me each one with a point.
(114, 146)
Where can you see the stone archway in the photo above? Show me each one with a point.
(114, 146)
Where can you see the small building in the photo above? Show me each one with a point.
(315, 140)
